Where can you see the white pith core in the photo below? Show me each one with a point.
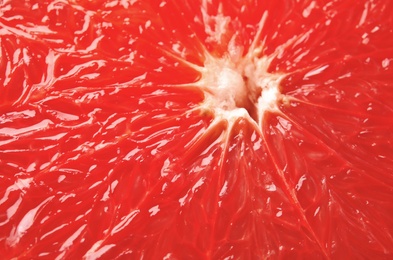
(238, 84)
(240, 87)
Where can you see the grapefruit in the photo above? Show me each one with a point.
(196, 129)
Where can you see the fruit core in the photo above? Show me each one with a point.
(242, 88)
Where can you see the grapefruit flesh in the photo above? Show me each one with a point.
(196, 129)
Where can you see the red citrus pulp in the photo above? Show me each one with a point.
(204, 129)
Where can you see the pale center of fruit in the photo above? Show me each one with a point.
(242, 88)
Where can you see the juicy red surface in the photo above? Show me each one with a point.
(105, 154)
